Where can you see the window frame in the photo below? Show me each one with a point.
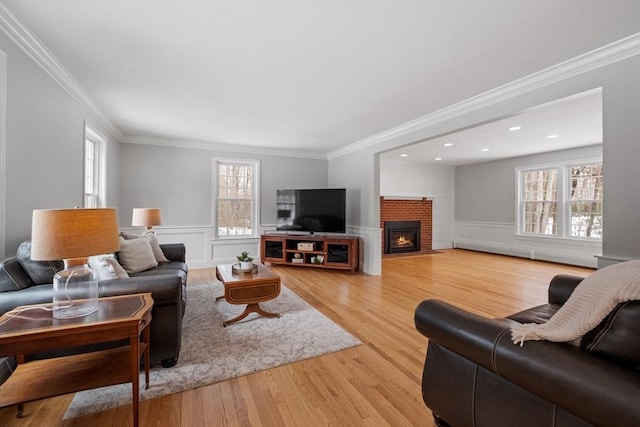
(216, 162)
(522, 203)
(567, 189)
(563, 227)
(98, 168)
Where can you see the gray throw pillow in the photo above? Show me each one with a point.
(136, 255)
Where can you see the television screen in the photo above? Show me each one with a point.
(313, 210)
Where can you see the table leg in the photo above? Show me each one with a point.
(146, 336)
(251, 308)
(135, 376)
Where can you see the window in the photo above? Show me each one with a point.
(235, 184)
(94, 185)
(540, 201)
(561, 200)
(585, 186)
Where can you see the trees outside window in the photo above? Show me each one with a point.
(540, 201)
(585, 188)
(235, 198)
(549, 195)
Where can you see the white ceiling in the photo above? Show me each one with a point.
(571, 122)
(305, 76)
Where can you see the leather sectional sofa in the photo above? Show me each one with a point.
(24, 281)
(474, 375)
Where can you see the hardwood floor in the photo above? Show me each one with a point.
(374, 384)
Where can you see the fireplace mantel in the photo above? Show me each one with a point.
(406, 198)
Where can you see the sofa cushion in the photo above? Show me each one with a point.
(107, 267)
(616, 337)
(153, 240)
(136, 255)
(40, 272)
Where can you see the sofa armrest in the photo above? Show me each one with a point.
(12, 276)
(557, 372)
(174, 251)
(465, 333)
(166, 289)
(562, 286)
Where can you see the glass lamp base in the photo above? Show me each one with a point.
(75, 292)
(78, 309)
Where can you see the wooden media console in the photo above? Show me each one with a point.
(337, 252)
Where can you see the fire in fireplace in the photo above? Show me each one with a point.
(401, 236)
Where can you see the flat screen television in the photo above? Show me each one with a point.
(311, 210)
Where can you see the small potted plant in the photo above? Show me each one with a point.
(246, 261)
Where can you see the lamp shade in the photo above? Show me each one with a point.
(146, 217)
(73, 233)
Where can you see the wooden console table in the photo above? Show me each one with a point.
(31, 329)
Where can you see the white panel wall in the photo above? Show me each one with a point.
(437, 182)
(501, 238)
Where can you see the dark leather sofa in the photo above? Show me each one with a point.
(474, 375)
(24, 281)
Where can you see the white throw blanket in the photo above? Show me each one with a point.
(592, 300)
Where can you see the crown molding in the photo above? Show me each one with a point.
(37, 51)
(605, 55)
(216, 146)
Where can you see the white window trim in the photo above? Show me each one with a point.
(3, 149)
(215, 161)
(563, 215)
(93, 135)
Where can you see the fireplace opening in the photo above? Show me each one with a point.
(401, 236)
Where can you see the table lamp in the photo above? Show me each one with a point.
(73, 235)
(146, 217)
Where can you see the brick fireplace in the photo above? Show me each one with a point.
(404, 213)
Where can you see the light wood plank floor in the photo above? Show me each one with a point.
(375, 384)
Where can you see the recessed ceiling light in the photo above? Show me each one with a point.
(448, 144)
(514, 128)
(484, 149)
(552, 136)
(403, 155)
(437, 159)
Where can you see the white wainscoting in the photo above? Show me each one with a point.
(205, 251)
(501, 238)
(370, 249)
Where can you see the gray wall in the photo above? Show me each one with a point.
(179, 182)
(487, 191)
(44, 146)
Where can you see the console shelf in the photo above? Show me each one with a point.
(337, 252)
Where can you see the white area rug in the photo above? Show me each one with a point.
(211, 353)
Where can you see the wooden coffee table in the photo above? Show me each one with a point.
(26, 330)
(249, 288)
